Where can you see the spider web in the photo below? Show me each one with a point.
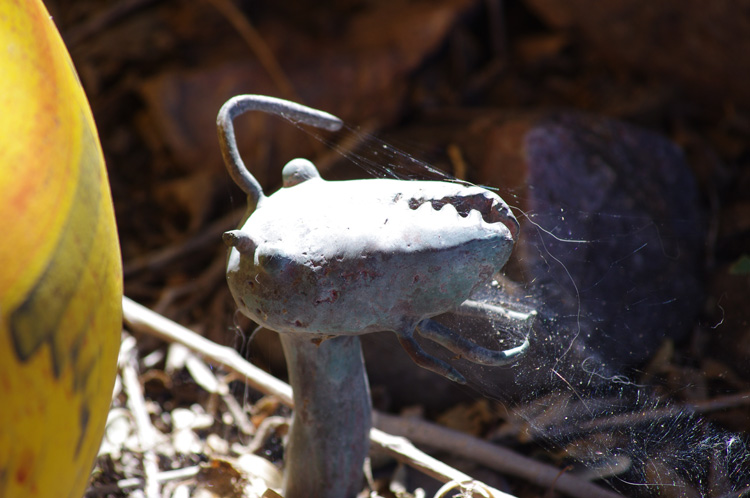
(596, 276)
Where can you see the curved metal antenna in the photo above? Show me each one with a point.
(240, 104)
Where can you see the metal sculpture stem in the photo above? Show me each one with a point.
(329, 438)
(319, 263)
(243, 103)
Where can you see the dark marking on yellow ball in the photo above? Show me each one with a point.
(36, 321)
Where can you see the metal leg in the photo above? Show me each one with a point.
(329, 437)
(425, 360)
(493, 312)
(468, 350)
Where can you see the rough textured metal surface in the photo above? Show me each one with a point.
(366, 255)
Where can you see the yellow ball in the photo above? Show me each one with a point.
(60, 269)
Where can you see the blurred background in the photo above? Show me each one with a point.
(462, 84)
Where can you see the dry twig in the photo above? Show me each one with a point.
(137, 483)
(489, 455)
(146, 432)
(145, 320)
(500, 459)
(155, 261)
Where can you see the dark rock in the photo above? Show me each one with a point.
(624, 240)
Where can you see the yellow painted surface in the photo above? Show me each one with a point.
(60, 270)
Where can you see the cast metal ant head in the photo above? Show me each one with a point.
(329, 258)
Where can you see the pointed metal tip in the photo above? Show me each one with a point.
(240, 241)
